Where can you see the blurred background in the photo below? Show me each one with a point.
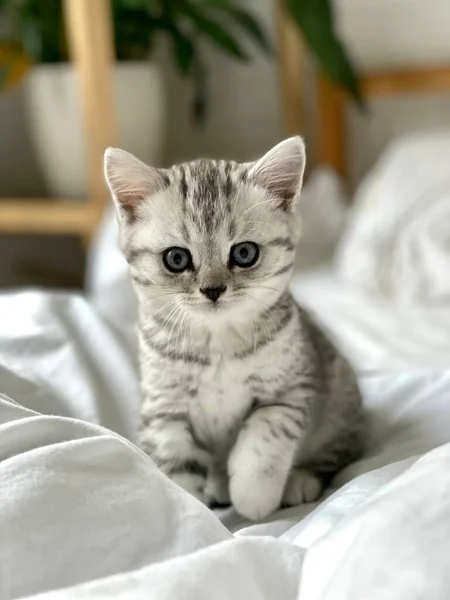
(190, 78)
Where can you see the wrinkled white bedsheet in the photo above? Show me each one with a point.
(397, 244)
(375, 333)
(83, 509)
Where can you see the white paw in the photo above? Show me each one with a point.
(254, 497)
(302, 486)
(192, 483)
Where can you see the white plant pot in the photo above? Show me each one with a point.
(57, 128)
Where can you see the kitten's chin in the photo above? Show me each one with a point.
(210, 308)
(213, 312)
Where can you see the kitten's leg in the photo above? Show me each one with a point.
(171, 444)
(261, 460)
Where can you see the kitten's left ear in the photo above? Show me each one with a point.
(281, 171)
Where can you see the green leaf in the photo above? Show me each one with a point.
(139, 4)
(245, 20)
(315, 20)
(214, 31)
(200, 92)
(183, 49)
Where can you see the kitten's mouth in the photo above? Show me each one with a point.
(211, 307)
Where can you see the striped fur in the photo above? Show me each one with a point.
(245, 399)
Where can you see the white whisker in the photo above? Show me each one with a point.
(177, 318)
(257, 231)
(269, 201)
(260, 320)
(167, 305)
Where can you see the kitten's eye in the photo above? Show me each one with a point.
(177, 260)
(244, 254)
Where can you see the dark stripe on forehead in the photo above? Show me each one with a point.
(243, 176)
(165, 179)
(183, 185)
(185, 232)
(206, 195)
(232, 228)
(228, 187)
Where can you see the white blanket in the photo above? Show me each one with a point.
(375, 333)
(84, 510)
(397, 245)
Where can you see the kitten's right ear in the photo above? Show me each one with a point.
(281, 171)
(130, 180)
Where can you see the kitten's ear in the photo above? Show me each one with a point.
(130, 180)
(281, 170)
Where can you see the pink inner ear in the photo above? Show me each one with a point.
(130, 198)
(129, 202)
(283, 185)
(283, 189)
(130, 180)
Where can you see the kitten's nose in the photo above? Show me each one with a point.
(213, 293)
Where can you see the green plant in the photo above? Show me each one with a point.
(315, 19)
(35, 29)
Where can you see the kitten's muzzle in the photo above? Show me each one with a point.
(213, 293)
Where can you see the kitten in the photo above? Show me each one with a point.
(244, 399)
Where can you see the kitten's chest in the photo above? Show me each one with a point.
(220, 405)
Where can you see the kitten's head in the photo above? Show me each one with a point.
(213, 239)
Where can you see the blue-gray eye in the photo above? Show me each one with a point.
(177, 260)
(244, 255)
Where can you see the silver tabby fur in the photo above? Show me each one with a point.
(244, 400)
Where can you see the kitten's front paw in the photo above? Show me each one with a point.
(302, 486)
(255, 497)
(193, 484)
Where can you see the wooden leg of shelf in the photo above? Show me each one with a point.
(291, 55)
(332, 147)
(90, 34)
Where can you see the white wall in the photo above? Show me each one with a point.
(244, 109)
(19, 171)
(245, 117)
(394, 34)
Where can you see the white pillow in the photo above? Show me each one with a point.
(108, 283)
(397, 244)
(323, 212)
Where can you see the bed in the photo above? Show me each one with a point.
(85, 514)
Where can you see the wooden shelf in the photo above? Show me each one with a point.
(332, 148)
(48, 217)
(389, 83)
(90, 36)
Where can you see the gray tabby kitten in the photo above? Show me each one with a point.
(244, 399)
